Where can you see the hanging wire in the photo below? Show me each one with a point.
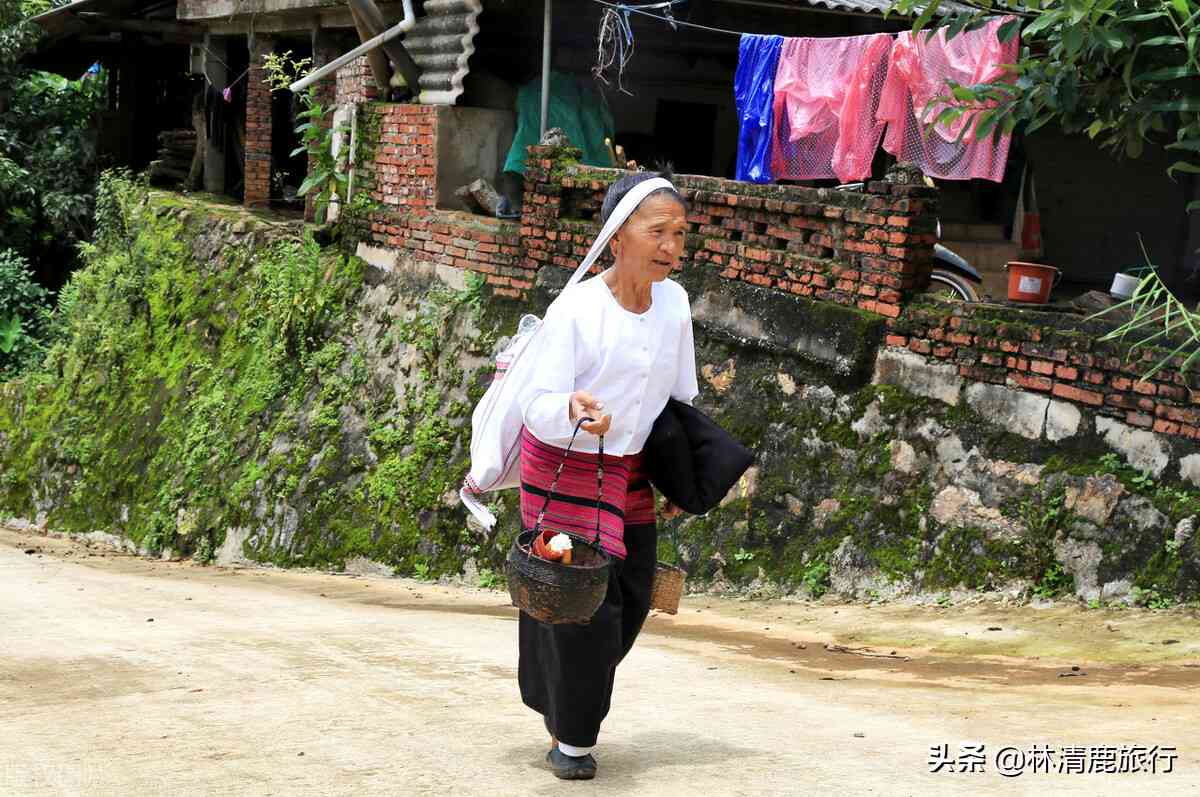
(227, 92)
(667, 16)
(614, 41)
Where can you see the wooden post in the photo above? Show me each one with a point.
(215, 57)
(380, 67)
(405, 65)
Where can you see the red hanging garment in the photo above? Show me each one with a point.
(826, 95)
(918, 71)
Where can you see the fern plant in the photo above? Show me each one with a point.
(1160, 320)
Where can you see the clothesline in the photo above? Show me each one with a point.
(812, 109)
(647, 11)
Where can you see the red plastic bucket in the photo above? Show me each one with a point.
(1031, 282)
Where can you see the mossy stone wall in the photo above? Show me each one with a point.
(222, 386)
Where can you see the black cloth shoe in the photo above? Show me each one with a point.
(569, 767)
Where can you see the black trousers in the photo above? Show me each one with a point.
(566, 671)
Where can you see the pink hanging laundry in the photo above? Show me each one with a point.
(917, 73)
(826, 95)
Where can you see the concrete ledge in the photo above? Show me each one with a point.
(1018, 412)
(842, 339)
(917, 375)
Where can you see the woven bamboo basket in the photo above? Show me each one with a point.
(667, 588)
(552, 592)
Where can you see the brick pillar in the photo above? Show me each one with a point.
(258, 126)
(355, 83)
(912, 223)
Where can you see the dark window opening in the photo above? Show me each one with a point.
(288, 170)
(685, 135)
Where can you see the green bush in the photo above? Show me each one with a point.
(23, 315)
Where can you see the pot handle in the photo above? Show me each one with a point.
(537, 527)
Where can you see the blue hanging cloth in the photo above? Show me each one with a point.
(754, 92)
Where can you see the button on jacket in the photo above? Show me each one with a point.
(632, 362)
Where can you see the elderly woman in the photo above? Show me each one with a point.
(616, 347)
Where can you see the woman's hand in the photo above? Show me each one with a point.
(584, 405)
(669, 511)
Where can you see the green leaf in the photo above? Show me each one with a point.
(962, 93)
(926, 16)
(1044, 20)
(956, 27)
(1163, 75)
(1094, 128)
(10, 330)
(1182, 7)
(1193, 205)
(1183, 166)
(1111, 38)
(297, 151)
(1127, 72)
(1188, 104)
(1009, 29)
(1145, 17)
(1039, 122)
(987, 124)
(1163, 41)
(313, 180)
(1193, 145)
(1073, 39)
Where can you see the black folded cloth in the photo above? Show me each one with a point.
(691, 460)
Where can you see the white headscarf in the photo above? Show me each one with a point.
(621, 213)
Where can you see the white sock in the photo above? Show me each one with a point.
(574, 752)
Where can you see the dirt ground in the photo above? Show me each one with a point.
(122, 676)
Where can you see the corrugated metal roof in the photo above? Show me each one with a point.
(880, 7)
(57, 20)
(62, 20)
(441, 43)
(874, 7)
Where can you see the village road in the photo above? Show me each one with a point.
(121, 676)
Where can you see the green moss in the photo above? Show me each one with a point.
(159, 407)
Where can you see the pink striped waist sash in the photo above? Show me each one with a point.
(627, 499)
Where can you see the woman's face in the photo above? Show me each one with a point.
(650, 242)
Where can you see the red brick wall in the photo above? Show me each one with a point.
(863, 249)
(355, 83)
(258, 127)
(454, 238)
(405, 158)
(400, 175)
(860, 249)
(1055, 354)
